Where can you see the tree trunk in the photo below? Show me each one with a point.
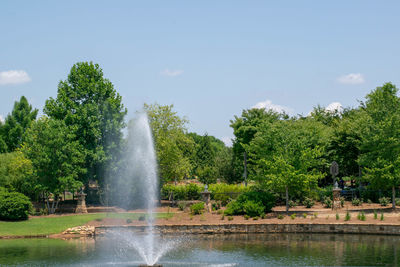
(393, 197)
(287, 200)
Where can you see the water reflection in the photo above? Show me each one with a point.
(214, 250)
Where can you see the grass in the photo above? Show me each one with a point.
(57, 224)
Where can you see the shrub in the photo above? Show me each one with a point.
(220, 212)
(342, 202)
(384, 201)
(246, 217)
(356, 202)
(382, 218)
(348, 216)
(397, 201)
(216, 205)
(375, 215)
(230, 218)
(181, 206)
(308, 202)
(142, 218)
(226, 192)
(280, 216)
(262, 215)
(337, 216)
(128, 220)
(252, 208)
(315, 215)
(255, 218)
(304, 215)
(293, 216)
(197, 208)
(192, 191)
(369, 201)
(327, 202)
(253, 203)
(292, 203)
(14, 206)
(325, 192)
(222, 217)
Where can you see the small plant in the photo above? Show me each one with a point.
(308, 202)
(382, 218)
(342, 201)
(337, 216)
(363, 217)
(255, 218)
(216, 205)
(222, 216)
(384, 201)
(356, 202)
(292, 203)
(397, 201)
(220, 212)
(181, 206)
(191, 216)
(197, 208)
(128, 220)
(142, 218)
(375, 215)
(230, 218)
(293, 216)
(246, 217)
(262, 215)
(328, 202)
(327, 217)
(369, 201)
(315, 215)
(305, 215)
(99, 219)
(202, 218)
(280, 216)
(348, 216)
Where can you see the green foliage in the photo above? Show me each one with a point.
(16, 173)
(280, 216)
(293, 216)
(14, 206)
(225, 192)
(292, 203)
(384, 201)
(304, 215)
(356, 202)
(382, 217)
(308, 203)
(16, 124)
(197, 208)
(182, 205)
(128, 221)
(375, 215)
(230, 218)
(348, 216)
(397, 201)
(181, 192)
(246, 217)
(251, 203)
(173, 146)
(91, 108)
(207, 174)
(337, 216)
(328, 202)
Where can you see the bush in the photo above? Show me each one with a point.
(342, 201)
(197, 208)
(308, 202)
(325, 192)
(128, 221)
(252, 208)
(246, 217)
(142, 218)
(292, 203)
(348, 216)
(356, 202)
(337, 216)
(253, 203)
(216, 205)
(328, 202)
(384, 201)
(230, 218)
(293, 216)
(280, 217)
(226, 192)
(181, 206)
(397, 201)
(14, 206)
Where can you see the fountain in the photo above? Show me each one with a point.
(141, 173)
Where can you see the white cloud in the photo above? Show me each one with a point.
(227, 140)
(332, 107)
(171, 73)
(1, 119)
(14, 77)
(352, 78)
(267, 104)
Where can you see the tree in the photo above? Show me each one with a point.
(380, 138)
(173, 146)
(16, 173)
(245, 129)
(89, 103)
(287, 156)
(57, 157)
(16, 124)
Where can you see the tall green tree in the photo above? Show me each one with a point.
(173, 146)
(245, 129)
(380, 138)
(287, 156)
(16, 124)
(57, 157)
(88, 102)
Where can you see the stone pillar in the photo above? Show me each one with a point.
(207, 200)
(336, 199)
(81, 205)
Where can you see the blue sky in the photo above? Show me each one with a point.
(211, 59)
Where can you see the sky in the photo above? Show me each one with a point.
(210, 59)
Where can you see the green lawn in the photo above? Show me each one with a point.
(54, 225)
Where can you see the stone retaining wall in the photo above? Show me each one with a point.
(380, 229)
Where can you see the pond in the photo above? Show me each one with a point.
(212, 250)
